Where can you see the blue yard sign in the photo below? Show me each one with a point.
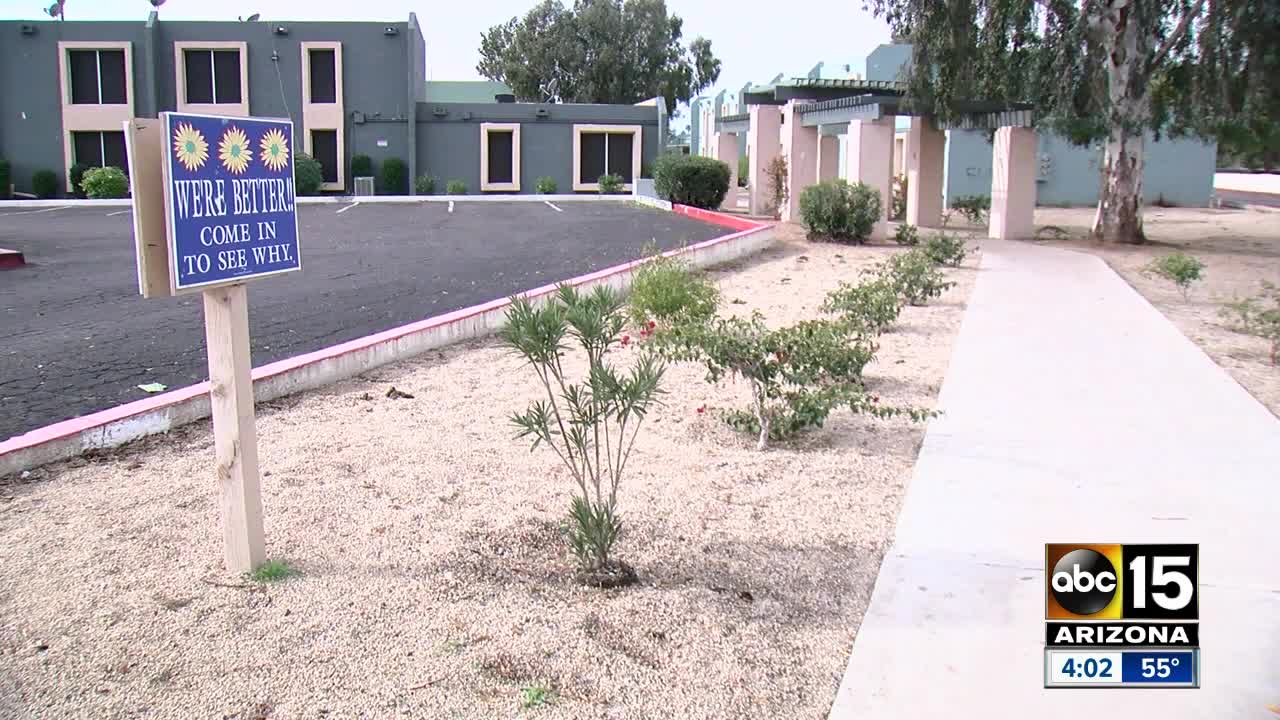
(230, 197)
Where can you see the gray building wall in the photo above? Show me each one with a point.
(449, 145)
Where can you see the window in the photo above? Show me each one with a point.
(324, 148)
(212, 76)
(324, 76)
(500, 157)
(97, 77)
(605, 149)
(100, 149)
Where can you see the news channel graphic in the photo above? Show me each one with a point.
(1122, 615)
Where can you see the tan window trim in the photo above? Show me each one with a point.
(636, 147)
(91, 118)
(485, 129)
(240, 109)
(324, 116)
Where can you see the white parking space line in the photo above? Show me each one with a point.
(348, 207)
(450, 206)
(119, 212)
(37, 212)
(552, 206)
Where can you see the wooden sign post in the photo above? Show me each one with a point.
(213, 207)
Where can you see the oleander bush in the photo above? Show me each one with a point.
(691, 180)
(105, 183)
(394, 177)
(839, 211)
(945, 249)
(307, 174)
(609, 184)
(456, 187)
(545, 185)
(425, 185)
(975, 208)
(6, 179)
(907, 235)
(44, 183)
(361, 166)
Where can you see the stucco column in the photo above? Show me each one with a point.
(800, 146)
(926, 149)
(871, 162)
(1013, 184)
(726, 149)
(828, 157)
(763, 144)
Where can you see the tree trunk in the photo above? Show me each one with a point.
(1127, 45)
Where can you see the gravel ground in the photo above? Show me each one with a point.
(435, 578)
(1238, 247)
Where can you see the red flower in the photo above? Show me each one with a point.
(652, 324)
(644, 333)
(702, 409)
(875, 398)
(626, 340)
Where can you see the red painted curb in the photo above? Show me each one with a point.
(11, 259)
(74, 426)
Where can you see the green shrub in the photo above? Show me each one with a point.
(603, 411)
(77, 179)
(610, 184)
(836, 210)
(394, 177)
(307, 174)
(44, 183)
(1241, 315)
(906, 235)
(867, 309)
(666, 290)
(6, 180)
(975, 208)
(274, 571)
(456, 187)
(1259, 316)
(1180, 269)
(691, 180)
(744, 170)
(914, 276)
(425, 185)
(105, 183)
(899, 207)
(545, 185)
(797, 375)
(361, 166)
(945, 249)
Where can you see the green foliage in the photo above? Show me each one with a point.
(591, 425)
(691, 180)
(77, 179)
(866, 309)
(598, 52)
(307, 174)
(455, 187)
(1241, 314)
(361, 166)
(836, 210)
(44, 183)
(744, 170)
(1178, 268)
(906, 235)
(545, 185)
(1259, 316)
(394, 177)
(425, 185)
(609, 184)
(975, 208)
(105, 183)
(914, 276)
(899, 208)
(535, 696)
(666, 290)
(6, 180)
(945, 249)
(273, 571)
(776, 174)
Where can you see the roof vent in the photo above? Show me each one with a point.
(505, 98)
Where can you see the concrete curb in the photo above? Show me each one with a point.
(362, 199)
(121, 424)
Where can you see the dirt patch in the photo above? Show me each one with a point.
(1238, 247)
(436, 579)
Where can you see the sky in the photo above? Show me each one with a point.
(754, 39)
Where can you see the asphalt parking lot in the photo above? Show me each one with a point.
(75, 336)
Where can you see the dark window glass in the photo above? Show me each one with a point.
(226, 73)
(113, 154)
(501, 156)
(111, 65)
(324, 148)
(84, 76)
(620, 155)
(324, 85)
(591, 160)
(199, 70)
(88, 148)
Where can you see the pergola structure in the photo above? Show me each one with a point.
(802, 119)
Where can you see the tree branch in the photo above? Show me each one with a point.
(1176, 36)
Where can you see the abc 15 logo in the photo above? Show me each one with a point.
(1114, 582)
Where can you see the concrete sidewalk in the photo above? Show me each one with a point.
(1074, 412)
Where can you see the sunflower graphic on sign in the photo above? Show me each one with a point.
(190, 147)
(275, 150)
(234, 150)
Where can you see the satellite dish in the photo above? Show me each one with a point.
(157, 3)
(54, 10)
(253, 18)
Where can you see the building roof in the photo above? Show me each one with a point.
(465, 91)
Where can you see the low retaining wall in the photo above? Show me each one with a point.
(1268, 183)
(162, 413)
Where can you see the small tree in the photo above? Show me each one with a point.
(1180, 269)
(591, 425)
(776, 179)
